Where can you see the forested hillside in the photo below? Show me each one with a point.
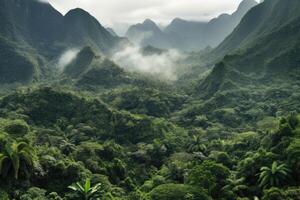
(34, 33)
(226, 128)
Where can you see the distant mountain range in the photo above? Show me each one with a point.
(188, 35)
(33, 33)
(147, 33)
(264, 46)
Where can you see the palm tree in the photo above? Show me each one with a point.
(197, 145)
(273, 176)
(235, 185)
(16, 157)
(86, 191)
(67, 147)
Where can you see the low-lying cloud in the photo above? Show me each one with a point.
(163, 65)
(140, 37)
(67, 58)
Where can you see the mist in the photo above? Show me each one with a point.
(140, 37)
(162, 65)
(67, 58)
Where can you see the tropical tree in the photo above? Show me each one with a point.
(86, 191)
(293, 152)
(197, 145)
(16, 157)
(67, 147)
(209, 175)
(235, 186)
(273, 176)
(274, 194)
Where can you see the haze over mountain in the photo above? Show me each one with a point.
(189, 35)
(147, 33)
(115, 15)
(34, 33)
(85, 114)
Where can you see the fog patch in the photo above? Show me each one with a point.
(163, 65)
(140, 37)
(67, 58)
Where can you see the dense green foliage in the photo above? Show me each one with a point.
(134, 156)
(33, 35)
(86, 191)
(95, 131)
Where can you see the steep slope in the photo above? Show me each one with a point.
(90, 70)
(15, 64)
(28, 32)
(30, 22)
(33, 34)
(268, 49)
(42, 27)
(81, 63)
(269, 16)
(219, 28)
(199, 35)
(82, 29)
(112, 32)
(189, 35)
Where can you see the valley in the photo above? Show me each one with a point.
(194, 111)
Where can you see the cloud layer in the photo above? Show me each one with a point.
(163, 66)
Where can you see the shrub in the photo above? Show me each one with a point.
(16, 127)
(273, 194)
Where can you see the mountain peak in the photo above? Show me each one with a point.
(149, 25)
(177, 20)
(246, 4)
(149, 22)
(77, 11)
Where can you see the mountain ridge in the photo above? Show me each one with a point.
(190, 35)
(46, 34)
(249, 53)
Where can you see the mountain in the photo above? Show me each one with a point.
(263, 49)
(112, 32)
(82, 29)
(189, 35)
(259, 22)
(33, 34)
(29, 22)
(183, 34)
(194, 36)
(219, 28)
(90, 70)
(147, 33)
(15, 63)
(81, 63)
(27, 29)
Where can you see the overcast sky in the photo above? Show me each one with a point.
(114, 13)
